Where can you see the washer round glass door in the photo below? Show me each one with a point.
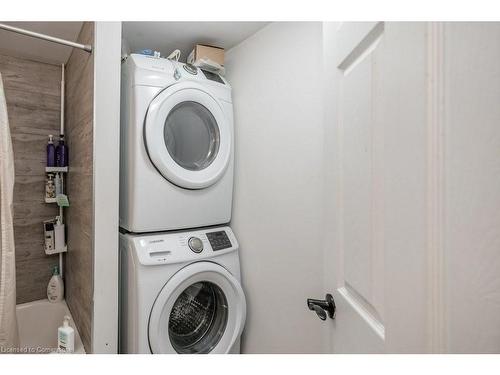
(187, 136)
(201, 309)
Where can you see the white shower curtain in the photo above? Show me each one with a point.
(9, 337)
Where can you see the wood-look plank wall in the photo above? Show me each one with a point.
(79, 135)
(32, 91)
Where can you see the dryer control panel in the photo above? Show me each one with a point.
(178, 247)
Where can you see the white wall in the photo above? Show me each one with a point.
(277, 208)
(107, 39)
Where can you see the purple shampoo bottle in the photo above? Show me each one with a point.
(51, 152)
(62, 152)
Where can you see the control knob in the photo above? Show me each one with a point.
(195, 244)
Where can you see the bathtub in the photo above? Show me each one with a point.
(38, 322)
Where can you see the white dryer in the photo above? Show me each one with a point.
(176, 167)
(181, 292)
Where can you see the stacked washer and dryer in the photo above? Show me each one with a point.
(180, 271)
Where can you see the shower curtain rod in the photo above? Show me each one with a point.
(85, 47)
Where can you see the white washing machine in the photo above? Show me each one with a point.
(176, 168)
(181, 292)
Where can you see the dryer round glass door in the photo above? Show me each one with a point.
(191, 136)
(187, 136)
(201, 309)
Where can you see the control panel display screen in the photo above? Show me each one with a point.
(219, 240)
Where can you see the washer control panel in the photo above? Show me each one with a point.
(176, 247)
(219, 240)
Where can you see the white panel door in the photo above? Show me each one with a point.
(413, 180)
(376, 214)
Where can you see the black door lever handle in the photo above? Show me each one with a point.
(322, 307)
(319, 311)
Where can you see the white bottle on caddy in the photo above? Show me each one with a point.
(66, 337)
(55, 289)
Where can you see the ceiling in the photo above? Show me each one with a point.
(160, 36)
(168, 36)
(30, 48)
